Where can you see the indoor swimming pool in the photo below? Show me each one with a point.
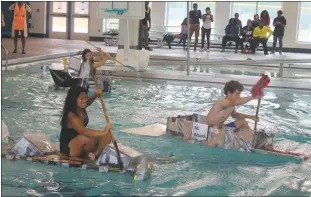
(29, 105)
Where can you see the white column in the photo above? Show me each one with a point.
(133, 30)
(222, 16)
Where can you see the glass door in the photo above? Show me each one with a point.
(80, 20)
(59, 20)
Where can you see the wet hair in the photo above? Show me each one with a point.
(71, 103)
(84, 52)
(280, 12)
(232, 86)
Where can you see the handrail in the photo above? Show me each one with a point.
(6, 56)
(199, 61)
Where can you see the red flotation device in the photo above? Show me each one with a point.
(260, 85)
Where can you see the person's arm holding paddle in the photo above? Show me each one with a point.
(91, 99)
(241, 101)
(101, 60)
(78, 126)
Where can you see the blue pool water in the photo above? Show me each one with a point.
(28, 105)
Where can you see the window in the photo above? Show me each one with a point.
(59, 24)
(81, 7)
(59, 7)
(110, 23)
(247, 10)
(81, 25)
(304, 26)
(176, 12)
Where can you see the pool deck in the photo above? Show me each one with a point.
(42, 49)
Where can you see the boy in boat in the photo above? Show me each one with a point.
(225, 107)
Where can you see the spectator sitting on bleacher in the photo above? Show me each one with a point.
(183, 33)
(232, 34)
(247, 34)
(260, 36)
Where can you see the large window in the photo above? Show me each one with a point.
(59, 7)
(81, 17)
(304, 28)
(176, 12)
(109, 24)
(247, 10)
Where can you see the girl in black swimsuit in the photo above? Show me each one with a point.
(75, 138)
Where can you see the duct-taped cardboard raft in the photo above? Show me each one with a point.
(192, 129)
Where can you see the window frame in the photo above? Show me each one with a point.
(298, 26)
(257, 2)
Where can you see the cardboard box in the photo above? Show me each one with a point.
(192, 129)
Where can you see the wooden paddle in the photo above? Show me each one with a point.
(114, 59)
(257, 111)
(111, 132)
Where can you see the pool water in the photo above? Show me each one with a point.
(28, 105)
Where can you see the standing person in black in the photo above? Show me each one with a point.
(247, 33)
(144, 28)
(232, 34)
(207, 18)
(238, 22)
(195, 16)
(279, 23)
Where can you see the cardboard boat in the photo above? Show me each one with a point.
(192, 128)
(36, 147)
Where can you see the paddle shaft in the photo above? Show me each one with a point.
(110, 130)
(257, 111)
(258, 104)
(111, 57)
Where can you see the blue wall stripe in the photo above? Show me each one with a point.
(48, 18)
(69, 18)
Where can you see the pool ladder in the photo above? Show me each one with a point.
(6, 56)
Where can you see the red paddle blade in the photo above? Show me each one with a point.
(260, 85)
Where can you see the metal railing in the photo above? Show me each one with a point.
(6, 56)
(198, 61)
